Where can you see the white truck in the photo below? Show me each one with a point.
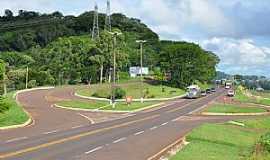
(194, 92)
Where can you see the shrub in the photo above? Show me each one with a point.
(4, 104)
(265, 141)
(32, 83)
(119, 93)
(124, 76)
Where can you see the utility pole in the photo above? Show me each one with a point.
(108, 24)
(114, 34)
(95, 30)
(26, 77)
(141, 70)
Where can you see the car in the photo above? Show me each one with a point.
(203, 93)
(227, 87)
(231, 93)
(213, 89)
(208, 91)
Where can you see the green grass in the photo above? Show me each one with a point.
(132, 88)
(227, 108)
(121, 106)
(265, 94)
(82, 104)
(223, 141)
(15, 115)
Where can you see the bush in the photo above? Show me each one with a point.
(265, 141)
(32, 84)
(119, 93)
(4, 104)
(124, 76)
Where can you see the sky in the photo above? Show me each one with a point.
(238, 31)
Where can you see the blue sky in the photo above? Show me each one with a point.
(236, 30)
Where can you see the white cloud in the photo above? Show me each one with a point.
(240, 56)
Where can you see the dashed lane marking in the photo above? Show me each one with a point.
(119, 140)
(138, 133)
(94, 150)
(16, 139)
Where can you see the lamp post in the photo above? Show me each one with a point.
(141, 70)
(114, 35)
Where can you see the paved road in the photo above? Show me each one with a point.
(135, 137)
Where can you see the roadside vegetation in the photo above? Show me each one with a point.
(232, 108)
(245, 96)
(10, 112)
(105, 106)
(228, 142)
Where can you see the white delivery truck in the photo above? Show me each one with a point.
(193, 92)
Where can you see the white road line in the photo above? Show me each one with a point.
(164, 124)
(177, 119)
(75, 127)
(50, 132)
(153, 128)
(94, 150)
(119, 140)
(16, 139)
(88, 118)
(138, 133)
(198, 109)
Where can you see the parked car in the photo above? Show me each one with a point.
(213, 89)
(203, 93)
(231, 93)
(208, 91)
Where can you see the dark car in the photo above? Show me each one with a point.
(208, 91)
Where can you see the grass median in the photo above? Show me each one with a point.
(230, 108)
(93, 105)
(15, 115)
(132, 88)
(225, 141)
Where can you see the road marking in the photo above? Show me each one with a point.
(119, 140)
(88, 118)
(164, 124)
(138, 133)
(50, 132)
(178, 108)
(46, 145)
(94, 150)
(16, 139)
(75, 127)
(177, 119)
(198, 109)
(153, 128)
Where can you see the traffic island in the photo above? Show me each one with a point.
(218, 109)
(99, 106)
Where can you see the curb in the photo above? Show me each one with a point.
(135, 100)
(107, 111)
(30, 119)
(235, 114)
(165, 151)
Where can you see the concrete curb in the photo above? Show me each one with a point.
(165, 152)
(107, 111)
(135, 100)
(235, 114)
(30, 119)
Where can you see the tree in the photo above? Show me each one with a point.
(3, 75)
(8, 14)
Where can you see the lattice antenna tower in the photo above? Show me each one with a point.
(108, 24)
(95, 30)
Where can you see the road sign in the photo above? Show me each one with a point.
(129, 100)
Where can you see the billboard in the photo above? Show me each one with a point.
(135, 71)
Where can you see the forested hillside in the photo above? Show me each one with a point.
(58, 49)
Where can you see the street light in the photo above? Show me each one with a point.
(114, 35)
(141, 70)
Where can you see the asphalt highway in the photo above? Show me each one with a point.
(138, 136)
